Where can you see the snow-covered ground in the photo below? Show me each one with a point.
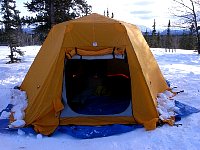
(181, 68)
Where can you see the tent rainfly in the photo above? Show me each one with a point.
(93, 70)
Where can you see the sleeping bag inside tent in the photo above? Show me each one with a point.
(93, 70)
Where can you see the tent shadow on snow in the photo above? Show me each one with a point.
(93, 71)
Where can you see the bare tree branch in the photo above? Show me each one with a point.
(189, 15)
(182, 4)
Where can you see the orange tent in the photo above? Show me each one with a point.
(91, 35)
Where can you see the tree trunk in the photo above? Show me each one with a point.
(11, 54)
(198, 42)
(196, 26)
(52, 13)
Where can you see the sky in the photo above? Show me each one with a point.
(139, 12)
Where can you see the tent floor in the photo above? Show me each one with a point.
(100, 105)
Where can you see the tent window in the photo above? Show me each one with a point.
(97, 87)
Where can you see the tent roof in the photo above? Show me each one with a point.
(94, 32)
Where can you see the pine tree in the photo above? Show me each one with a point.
(107, 12)
(2, 36)
(183, 41)
(112, 16)
(12, 24)
(187, 41)
(191, 37)
(146, 36)
(168, 43)
(50, 12)
(158, 43)
(153, 35)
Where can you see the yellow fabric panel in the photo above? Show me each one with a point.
(89, 52)
(46, 124)
(97, 120)
(86, 34)
(85, 52)
(150, 125)
(146, 78)
(43, 82)
(94, 53)
(142, 101)
(153, 76)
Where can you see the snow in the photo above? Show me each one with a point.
(5, 115)
(19, 102)
(181, 68)
(166, 106)
(17, 123)
(39, 136)
(20, 132)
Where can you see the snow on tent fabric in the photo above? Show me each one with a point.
(56, 85)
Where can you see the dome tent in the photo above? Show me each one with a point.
(54, 69)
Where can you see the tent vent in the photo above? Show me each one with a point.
(94, 44)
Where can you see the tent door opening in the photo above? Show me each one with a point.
(96, 87)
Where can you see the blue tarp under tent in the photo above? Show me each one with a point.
(88, 132)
